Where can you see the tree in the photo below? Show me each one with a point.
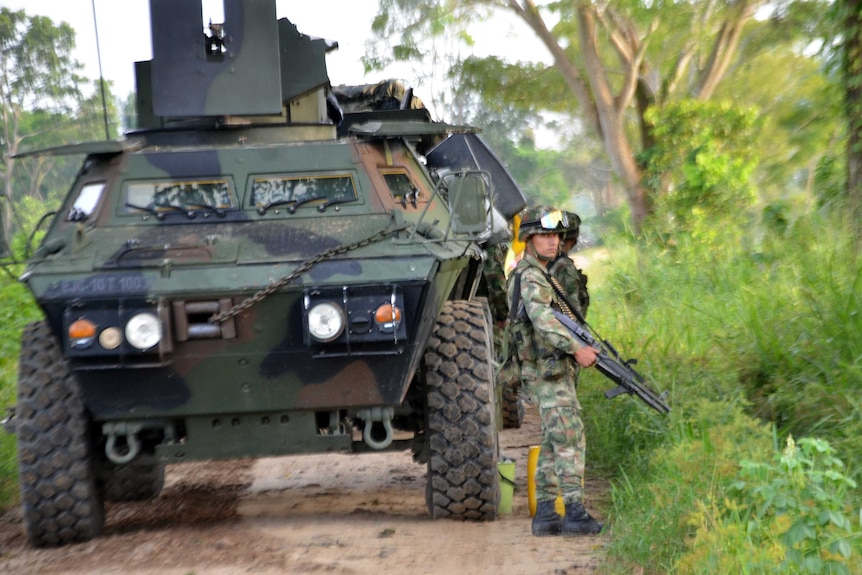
(546, 176)
(38, 81)
(711, 150)
(616, 59)
(851, 13)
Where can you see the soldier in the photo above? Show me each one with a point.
(573, 279)
(495, 281)
(549, 358)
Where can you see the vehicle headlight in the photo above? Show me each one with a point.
(81, 333)
(325, 321)
(143, 331)
(110, 338)
(387, 317)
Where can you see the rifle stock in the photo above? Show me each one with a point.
(612, 366)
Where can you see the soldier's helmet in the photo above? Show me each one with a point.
(573, 228)
(542, 220)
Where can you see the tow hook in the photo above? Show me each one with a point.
(122, 445)
(377, 431)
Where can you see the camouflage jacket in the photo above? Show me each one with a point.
(495, 279)
(573, 280)
(544, 348)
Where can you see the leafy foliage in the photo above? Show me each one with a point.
(613, 62)
(802, 498)
(656, 510)
(756, 339)
(701, 164)
(43, 101)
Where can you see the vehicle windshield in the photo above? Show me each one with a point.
(210, 193)
(267, 191)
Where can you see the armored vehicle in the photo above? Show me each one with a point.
(266, 265)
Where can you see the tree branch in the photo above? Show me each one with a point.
(724, 49)
(529, 13)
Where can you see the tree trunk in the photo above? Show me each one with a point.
(610, 113)
(853, 100)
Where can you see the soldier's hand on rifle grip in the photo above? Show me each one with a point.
(587, 356)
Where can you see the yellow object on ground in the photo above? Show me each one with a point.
(532, 461)
(506, 478)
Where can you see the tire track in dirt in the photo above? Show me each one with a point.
(335, 513)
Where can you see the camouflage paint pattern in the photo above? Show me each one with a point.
(258, 269)
(560, 466)
(549, 377)
(573, 280)
(544, 339)
(244, 168)
(174, 250)
(495, 281)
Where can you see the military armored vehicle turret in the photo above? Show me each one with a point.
(266, 266)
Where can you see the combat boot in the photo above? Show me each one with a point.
(546, 521)
(578, 521)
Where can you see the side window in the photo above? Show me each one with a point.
(267, 191)
(401, 187)
(179, 194)
(86, 202)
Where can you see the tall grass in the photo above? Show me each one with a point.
(17, 308)
(755, 342)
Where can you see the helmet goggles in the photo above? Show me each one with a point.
(554, 219)
(545, 220)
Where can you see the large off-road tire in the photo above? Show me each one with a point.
(513, 408)
(136, 481)
(59, 494)
(461, 432)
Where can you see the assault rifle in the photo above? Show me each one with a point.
(612, 366)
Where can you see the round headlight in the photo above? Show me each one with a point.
(110, 338)
(325, 321)
(143, 331)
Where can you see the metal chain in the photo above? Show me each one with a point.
(301, 269)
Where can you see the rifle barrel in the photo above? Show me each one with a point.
(615, 368)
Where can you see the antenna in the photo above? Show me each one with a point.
(101, 77)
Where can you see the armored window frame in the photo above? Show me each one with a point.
(402, 187)
(142, 193)
(308, 188)
(86, 201)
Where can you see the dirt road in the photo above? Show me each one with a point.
(341, 514)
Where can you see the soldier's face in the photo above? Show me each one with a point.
(545, 246)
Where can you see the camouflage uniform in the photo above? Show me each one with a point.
(549, 374)
(495, 281)
(563, 269)
(573, 280)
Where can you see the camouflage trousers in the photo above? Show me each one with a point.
(560, 467)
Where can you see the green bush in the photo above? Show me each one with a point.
(17, 308)
(657, 512)
(789, 516)
(767, 332)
